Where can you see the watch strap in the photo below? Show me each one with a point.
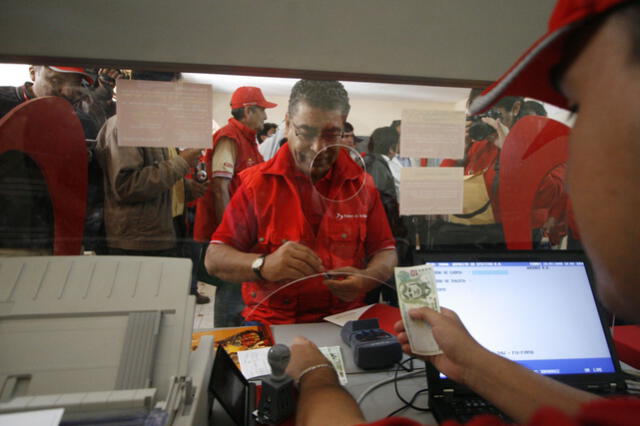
(258, 270)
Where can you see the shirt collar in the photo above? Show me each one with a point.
(249, 133)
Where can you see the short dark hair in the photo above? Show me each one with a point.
(238, 113)
(533, 108)
(507, 102)
(395, 123)
(382, 139)
(326, 95)
(265, 129)
(348, 127)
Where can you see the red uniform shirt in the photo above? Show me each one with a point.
(277, 203)
(247, 155)
(601, 412)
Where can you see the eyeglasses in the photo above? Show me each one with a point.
(310, 134)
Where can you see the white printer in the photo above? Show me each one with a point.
(106, 337)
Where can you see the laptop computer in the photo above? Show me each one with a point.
(234, 392)
(536, 308)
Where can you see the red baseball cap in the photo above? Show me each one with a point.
(74, 70)
(248, 96)
(531, 74)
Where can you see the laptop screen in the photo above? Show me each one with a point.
(541, 314)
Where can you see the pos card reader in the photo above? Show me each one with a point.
(373, 348)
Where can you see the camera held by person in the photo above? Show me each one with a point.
(479, 130)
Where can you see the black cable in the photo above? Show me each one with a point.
(410, 404)
(395, 387)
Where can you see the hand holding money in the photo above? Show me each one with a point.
(416, 289)
(460, 352)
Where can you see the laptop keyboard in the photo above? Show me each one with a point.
(464, 409)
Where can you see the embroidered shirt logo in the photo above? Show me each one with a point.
(341, 216)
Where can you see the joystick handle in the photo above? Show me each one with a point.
(278, 357)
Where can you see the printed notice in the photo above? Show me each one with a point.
(164, 114)
(432, 134)
(431, 190)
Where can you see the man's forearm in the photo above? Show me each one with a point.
(520, 392)
(380, 267)
(220, 189)
(229, 264)
(322, 401)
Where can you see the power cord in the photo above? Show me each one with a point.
(395, 387)
(395, 378)
(409, 404)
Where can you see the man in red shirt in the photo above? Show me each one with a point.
(591, 53)
(309, 214)
(234, 149)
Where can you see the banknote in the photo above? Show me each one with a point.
(417, 288)
(333, 354)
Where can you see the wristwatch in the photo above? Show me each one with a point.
(257, 265)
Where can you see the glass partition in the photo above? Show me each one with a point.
(299, 193)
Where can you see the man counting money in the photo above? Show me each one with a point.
(309, 210)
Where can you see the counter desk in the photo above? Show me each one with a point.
(379, 402)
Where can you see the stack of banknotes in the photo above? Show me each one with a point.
(416, 287)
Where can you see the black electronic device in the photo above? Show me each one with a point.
(277, 398)
(236, 394)
(479, 130)
(200, 174)
(373, 348)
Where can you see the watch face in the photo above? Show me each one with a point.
(257, 264)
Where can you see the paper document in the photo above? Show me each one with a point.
(431, 190)
(432, 134)
(164, 114)
(333, 354)
(342, 318)
(33, 418)
(254, 362)
(417, 288)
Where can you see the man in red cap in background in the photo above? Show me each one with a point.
(234, 149)
(589, 60)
